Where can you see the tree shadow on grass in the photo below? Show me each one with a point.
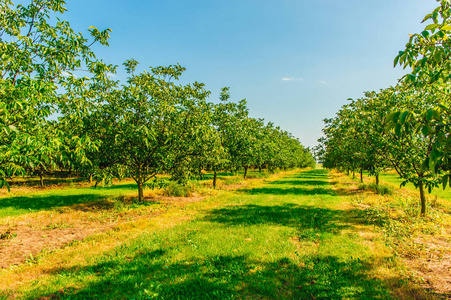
(299, 190)
(312, 173)
(90, 201)
(47, 181)
(288, 215)
(302, 182)
(37, 202)
(125, 186)
(148, 275)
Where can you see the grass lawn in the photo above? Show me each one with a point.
(295, 236)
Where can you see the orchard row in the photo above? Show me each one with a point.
(405, 127)
(51, 117)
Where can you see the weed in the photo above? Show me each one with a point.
(379, 189)
(57, 225)
(31, 259)
(119, 205)
(175, 189)
(7, 235)
(232, 180)
(158, 183)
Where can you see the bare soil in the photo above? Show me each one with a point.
(436, 268)
(24, 237)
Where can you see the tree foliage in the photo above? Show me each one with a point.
(407, 126)
(38, 52)
(59, 108)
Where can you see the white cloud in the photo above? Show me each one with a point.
(322, 82)
(292, 79)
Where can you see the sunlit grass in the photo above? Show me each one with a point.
(295, 237)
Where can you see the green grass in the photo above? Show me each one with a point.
(396, 180)
(14, 204)
(287, 239)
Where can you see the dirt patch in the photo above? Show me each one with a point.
(435, 268)
(25, 237)
(175, 200)
(28, 242)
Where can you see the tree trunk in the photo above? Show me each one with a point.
(377, 179)
(422, 199)
(361, 175)
(140, 182)
(353, 174)
(41, 175)
(214, 179)
(90, 178)
(245, 171)
(260, 169)
(140, 191)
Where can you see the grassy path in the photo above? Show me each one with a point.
(292, 238)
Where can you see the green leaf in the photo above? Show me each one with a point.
(411, 77)
(403, 117)
(429, 114)
(425, 164)
(446, 27)
(431, 27)
(427, 17)
(425, 130)
(398, 129)
(436, 115)
(395, 63)
(393, 117)
(5, 183)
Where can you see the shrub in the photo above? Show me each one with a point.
(379, 189)
(175, 189)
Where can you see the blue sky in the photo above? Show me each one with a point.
(295, 61)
